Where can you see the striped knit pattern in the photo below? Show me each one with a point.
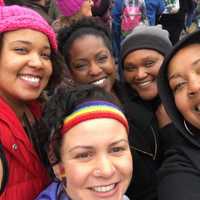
(93, 110)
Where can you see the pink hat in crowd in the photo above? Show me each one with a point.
(16, 17)
(69, 7)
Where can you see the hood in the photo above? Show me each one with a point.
(166, 94)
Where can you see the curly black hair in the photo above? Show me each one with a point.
(85, 26)
(60, 105)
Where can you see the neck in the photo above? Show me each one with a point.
(18, 106)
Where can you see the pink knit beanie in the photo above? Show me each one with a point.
(16, 17)
(69, 7)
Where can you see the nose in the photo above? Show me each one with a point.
(94, 69)
(141, 73)
(193, 87)
(35, 61)
(104, 167)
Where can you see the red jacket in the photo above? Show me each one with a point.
(26, 174)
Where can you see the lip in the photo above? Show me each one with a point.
(99, 82)
(144, 84)
(106, 194)
(31, 80)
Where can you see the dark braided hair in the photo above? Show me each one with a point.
(59, 106)
(83, 27)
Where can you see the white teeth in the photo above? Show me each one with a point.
(104, 188)
(99, 82)
(32, 79)
(144, 83)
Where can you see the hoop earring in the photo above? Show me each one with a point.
(187, 128)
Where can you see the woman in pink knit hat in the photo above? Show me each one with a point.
(71, 11)
(28, 66)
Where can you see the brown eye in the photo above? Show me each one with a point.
(178, 86)
(149, 63)
(84, 156)
(129, 68)
(21, 50)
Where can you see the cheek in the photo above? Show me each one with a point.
(155, 70)
(80, 76)
(109, 67)
(181, 102)
(125, 166)
(49, 69)
(76, 175)
(128, 76)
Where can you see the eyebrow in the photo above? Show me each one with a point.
(90, 147)
(28, 43)
(177, 75)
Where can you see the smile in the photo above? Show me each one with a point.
(102, 189)
(99, 82)
(144, 83)
(30, 78)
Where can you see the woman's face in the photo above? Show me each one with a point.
(25, 65)
(97, 161)
(86, 8)
(141, 68)
(91, 62)
(184, 80)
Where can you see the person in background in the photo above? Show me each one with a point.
(102, 9)
(179, 89)
(71, 11)
(142, 54)
(39, 6)
(28, 66)
(174, 22)
(154, 8)
(96, 168)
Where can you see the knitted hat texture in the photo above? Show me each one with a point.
(146, 37)
(1, 2)
(69, 7)
(16, 17)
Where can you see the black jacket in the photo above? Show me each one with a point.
(145, 142)
(179, 176)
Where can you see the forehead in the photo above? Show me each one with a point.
(88, 39)
(95, 132)
(26, 35)
(184, 58)
(143, 53)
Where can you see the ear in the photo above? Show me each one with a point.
(59, 171)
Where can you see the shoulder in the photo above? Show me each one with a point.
(50, 193)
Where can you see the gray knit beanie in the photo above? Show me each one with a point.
(146, 37)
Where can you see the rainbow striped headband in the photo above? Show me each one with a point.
(93, 110)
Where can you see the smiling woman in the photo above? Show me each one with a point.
(179, 88)
(87, 145)
(28, 66)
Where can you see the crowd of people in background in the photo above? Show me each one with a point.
(99, 99)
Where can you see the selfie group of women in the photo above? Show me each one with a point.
(130, 138)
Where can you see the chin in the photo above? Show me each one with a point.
(147, 97)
